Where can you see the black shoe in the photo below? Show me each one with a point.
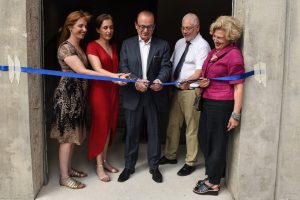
(186, 170)
(124, 176)
(163, 160)
(156, 175)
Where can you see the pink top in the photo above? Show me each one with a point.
(227, 62)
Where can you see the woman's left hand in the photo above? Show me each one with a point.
(122, 76)
(232, 123)
(203, 83)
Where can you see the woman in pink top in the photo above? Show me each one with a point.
(222, 100)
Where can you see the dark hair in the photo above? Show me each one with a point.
(71, 19)
(101, 18)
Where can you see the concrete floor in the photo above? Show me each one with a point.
(139, 186)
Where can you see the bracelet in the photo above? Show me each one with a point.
(236, 116)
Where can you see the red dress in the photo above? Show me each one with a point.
(104, 101)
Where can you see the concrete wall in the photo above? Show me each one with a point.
(288, 174)
(35, 93)
(264, 152)
(232, 173)
(21, 166)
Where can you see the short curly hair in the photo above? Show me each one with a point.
(231, 26)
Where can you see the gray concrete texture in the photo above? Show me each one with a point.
(35, 93)
(16, 167)
(266, 158)
(140, 186)
(288, 174)
(21, 145)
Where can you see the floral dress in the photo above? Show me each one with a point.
(69, 102)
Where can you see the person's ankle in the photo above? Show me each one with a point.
(213, 186)
(208, 183)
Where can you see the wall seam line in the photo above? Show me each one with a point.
(284, 74)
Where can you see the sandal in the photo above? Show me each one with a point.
(77, 173)
(104, 178)
(109, 167)
(71, 183)
(204, 189)
(200, 182)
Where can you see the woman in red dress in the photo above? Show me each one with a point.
(104, 96)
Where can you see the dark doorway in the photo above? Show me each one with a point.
(55, 12)
(168, 20)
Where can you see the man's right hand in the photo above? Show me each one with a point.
(142, 85)
(184, 85)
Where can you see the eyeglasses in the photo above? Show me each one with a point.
(143, 27)
(187, 28)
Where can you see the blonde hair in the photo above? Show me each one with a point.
(231, 26)
(71, 19)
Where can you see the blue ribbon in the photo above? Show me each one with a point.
(105, 78)
(30, 70)
(234, 77)
(3, 68)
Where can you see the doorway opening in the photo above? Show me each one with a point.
(168, 20)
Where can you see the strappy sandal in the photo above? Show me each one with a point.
(204, 189)
(200, 182)
(71, 183)
(109, 167)
(77, 173)
(104, 178)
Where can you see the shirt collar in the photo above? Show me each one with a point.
(142, 41)
(224, 50)
(195, 38)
